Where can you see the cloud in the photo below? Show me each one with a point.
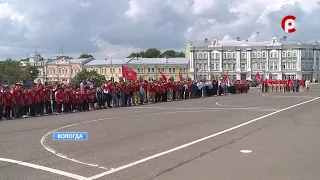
(120, 27)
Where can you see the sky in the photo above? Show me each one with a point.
(115, 28)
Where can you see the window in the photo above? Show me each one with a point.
(229, 55)
(217, 55)
(234, 66)
(307, 54)
(271, 54)
(213, 55)
(258, 66)
(263, 54)
(311, 54)
(253, 54)
(263, 66)
(271, 66)
(234, 56)
(152, 69)
(283, 65)
(243, 55)
(169, 70)
(205, 56)
(288, 54)
(225, 55)
(149, 70)
(54, 71)
(275, 65)
(119, 69)
(303, 54)
(184, 70)
(229, 65)
(275, 54)
(138, 69)
(218, 65)
(173, 70)
(259, 54)
(283, 54)
(294, 53)
(243, 66)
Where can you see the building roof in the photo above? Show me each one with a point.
(130, 61)
(118, 61)
(159, 61)
(244, 43)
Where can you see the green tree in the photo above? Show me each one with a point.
(171, 78)
(92, 75)
(85, 56)
(10, 71)
(29, 73)
(155, 53)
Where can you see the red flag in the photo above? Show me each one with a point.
(163, 76)
(225, 77)
(180, 77)
(128, 73)
(257, 76)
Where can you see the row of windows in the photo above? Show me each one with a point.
(62, 71)
(141, 70)
(257, 54)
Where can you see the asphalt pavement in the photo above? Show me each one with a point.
(253, 136)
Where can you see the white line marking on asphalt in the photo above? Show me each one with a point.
(276, 96)
(194, 142)
(232, 100)
(54, 171)
(246, 151)
(257, 109)
(53, 151)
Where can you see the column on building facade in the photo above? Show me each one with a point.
(191, 62)
(280, 60)
(238, 64)
(266, 73)
(209, 64)
(299, 73)
(249, 60)
(314, 67)
(221, 61)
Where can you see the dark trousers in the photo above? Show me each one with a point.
(25, 110)
(108, 100)
(17, 110)
(7, 112)
(1, 112)
(40, 108)
(33, 109)
(66, 107)
(48, 108)
(85, 105)
(59, 108)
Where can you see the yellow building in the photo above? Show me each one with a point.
(146, 68)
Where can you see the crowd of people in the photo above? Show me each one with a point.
(289, 85)
(38, 99)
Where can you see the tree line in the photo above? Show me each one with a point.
(155, 53)
(12, 72)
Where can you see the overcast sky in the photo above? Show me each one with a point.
(118, 27)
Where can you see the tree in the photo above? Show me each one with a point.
(10, 71)
(29, 73)
(85, 56)
(91, 75)
(155, 53)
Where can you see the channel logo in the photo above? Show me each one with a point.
(69, 136)
(288, 24)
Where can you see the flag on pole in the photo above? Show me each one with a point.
(163, 76)
(257, 76)
(180, 77)
(225, 77)
(128, 73)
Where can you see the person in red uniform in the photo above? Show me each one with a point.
(8, 102)
(66, 100)
(47, 100)
(59, 99)
(301, 84)
(17, 100)
(1, 105)
(287, 87)
(282, 85)
(33, 100)
(26, 102)
(41, 99)
(91, 97)
(265, 84)
(85, 102)
(291, 84)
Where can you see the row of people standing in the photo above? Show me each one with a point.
(288, 85)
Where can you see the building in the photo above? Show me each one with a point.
(243, 59)
(63, 68)
(36, 60)
(146, 68)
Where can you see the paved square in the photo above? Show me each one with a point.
(189, 139)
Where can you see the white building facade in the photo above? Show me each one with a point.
(244, 59)
(36, 60)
